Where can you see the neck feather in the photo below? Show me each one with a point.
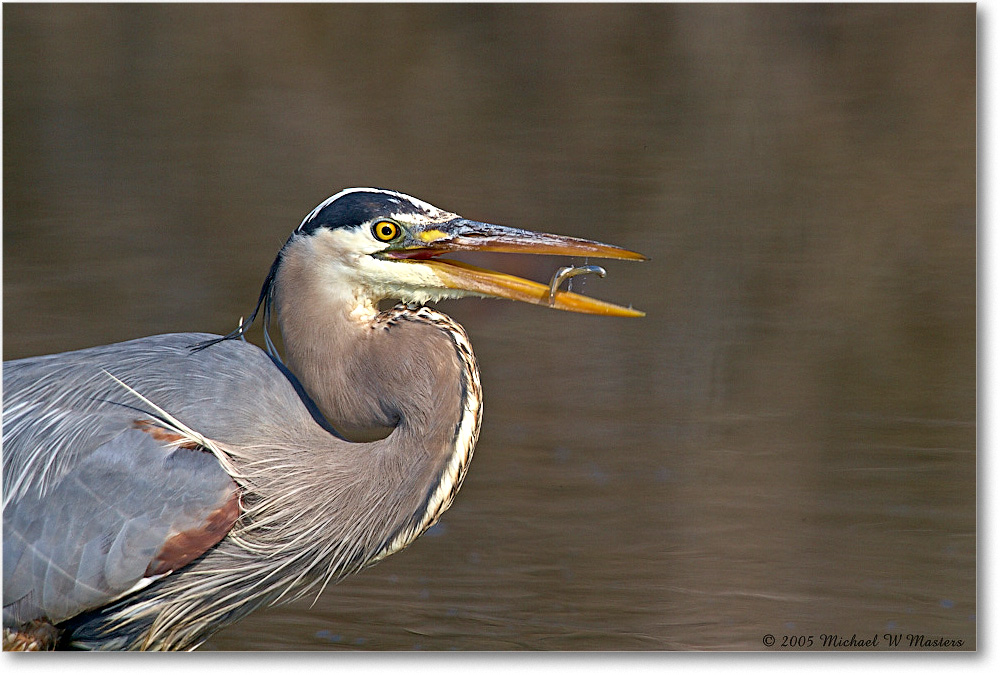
(408, 375)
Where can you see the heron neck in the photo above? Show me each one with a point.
(369, 373)
(409, 371)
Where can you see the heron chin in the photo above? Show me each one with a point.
(160, 489)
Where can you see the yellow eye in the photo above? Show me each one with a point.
(385, 230)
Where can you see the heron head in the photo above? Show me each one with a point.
(386, 244)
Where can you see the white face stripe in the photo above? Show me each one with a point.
(419, 203)
(346, 270)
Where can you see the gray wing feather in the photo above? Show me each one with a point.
(89, 499)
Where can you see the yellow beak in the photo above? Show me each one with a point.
(467, 235)
(456, 274)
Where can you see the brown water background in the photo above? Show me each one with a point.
(785, 445)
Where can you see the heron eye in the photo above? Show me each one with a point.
(385, 230)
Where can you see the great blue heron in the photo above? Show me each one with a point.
(159, 489)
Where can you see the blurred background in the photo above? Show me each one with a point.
(785, 445)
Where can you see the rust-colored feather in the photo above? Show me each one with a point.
(183, 547)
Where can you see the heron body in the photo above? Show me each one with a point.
(160, 489)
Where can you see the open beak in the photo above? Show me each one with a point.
(467, 235)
